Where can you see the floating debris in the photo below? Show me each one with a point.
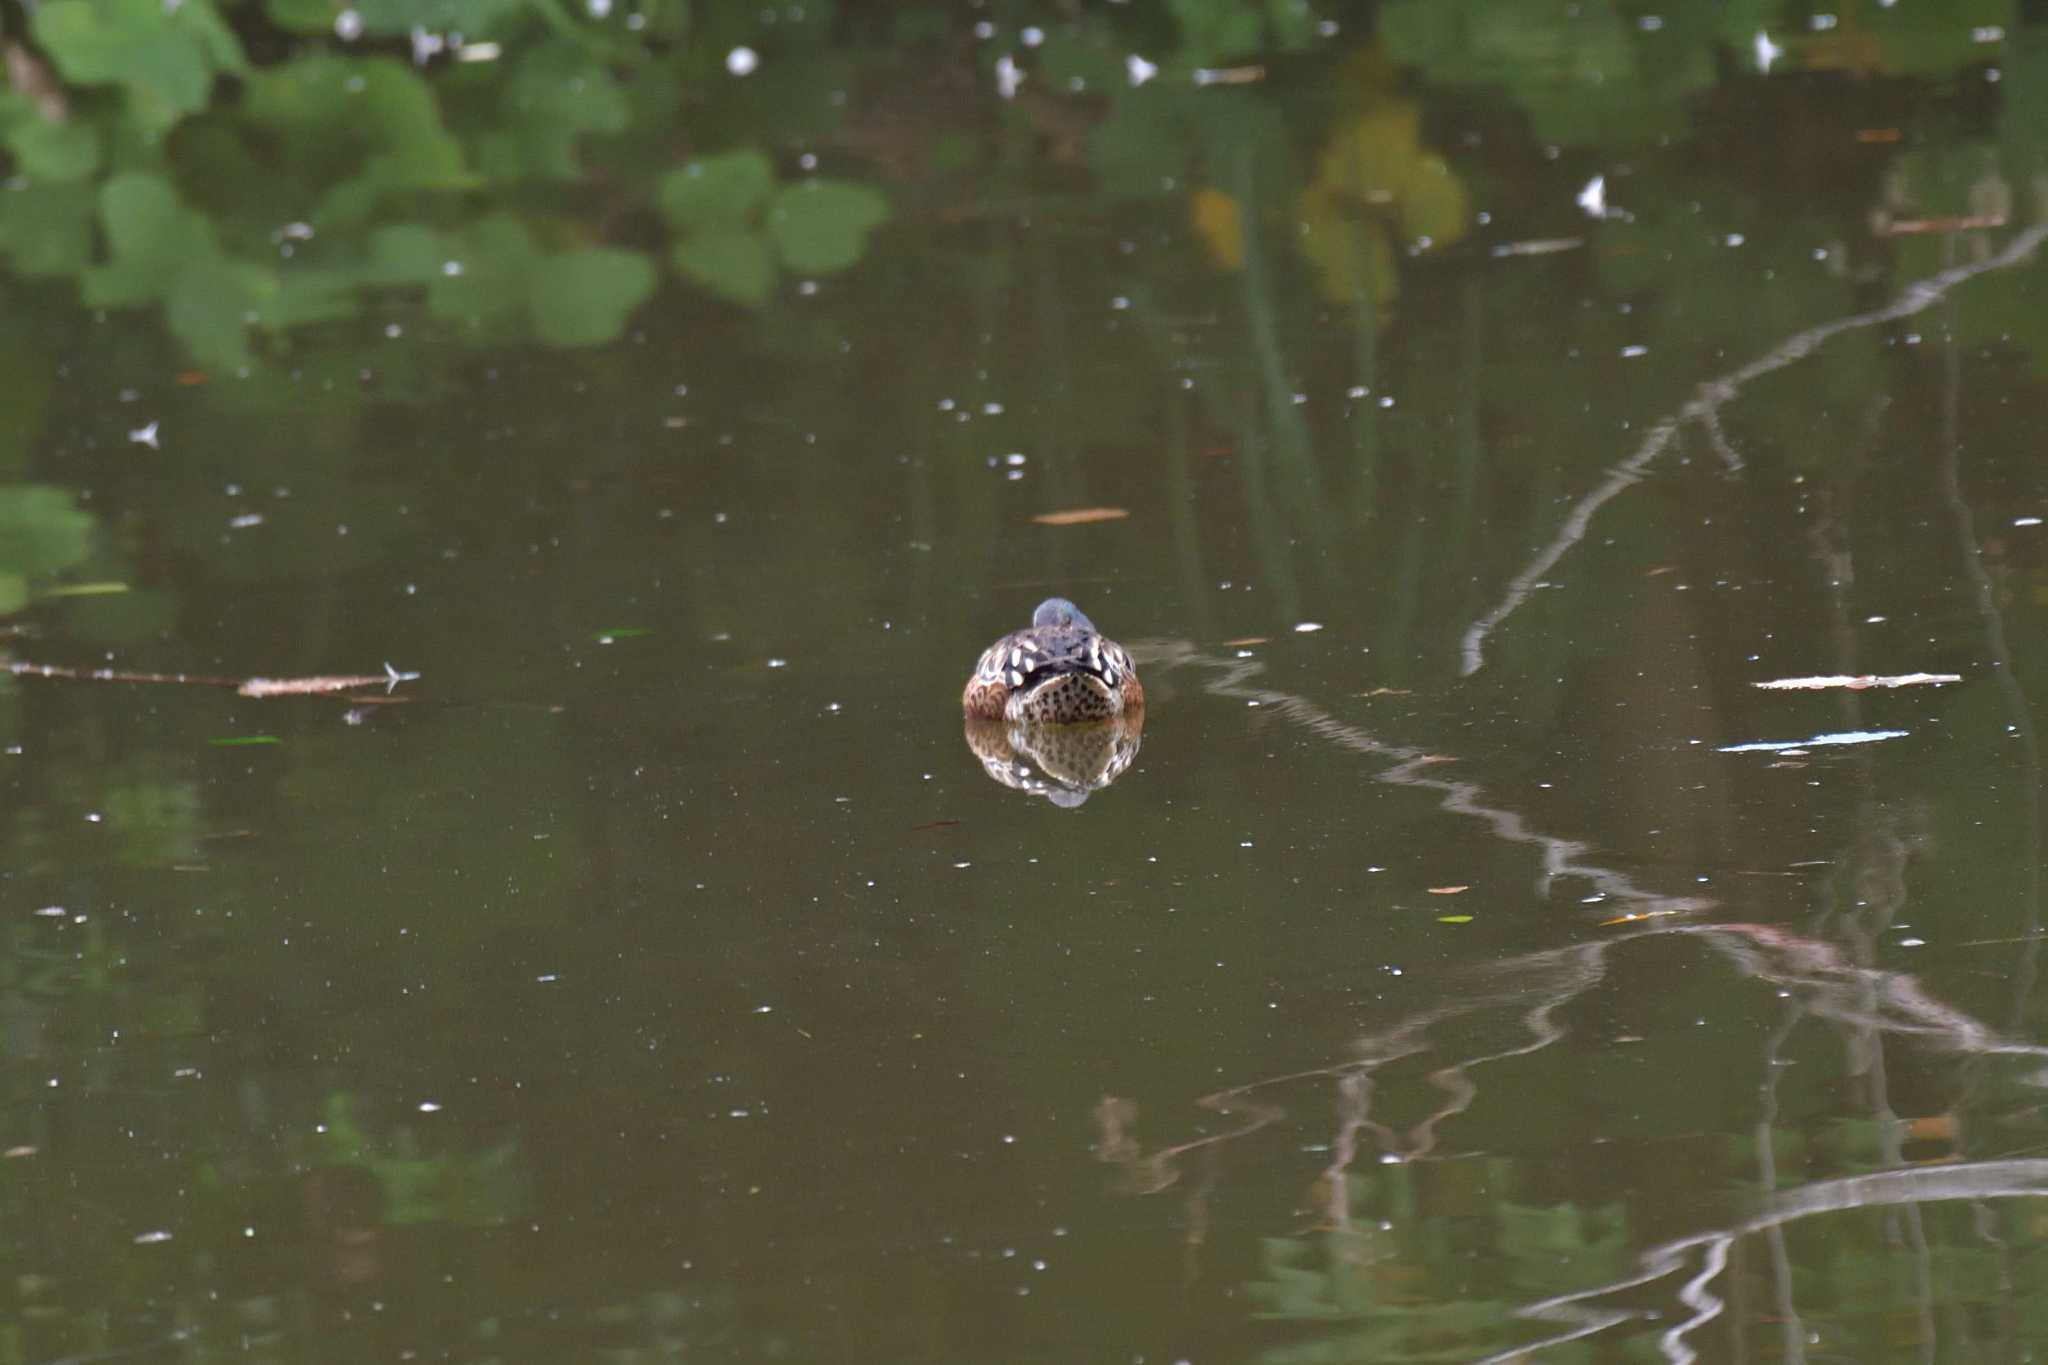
(1780, 746)
(1539, 246)
(1081, 516)
(1858, 681)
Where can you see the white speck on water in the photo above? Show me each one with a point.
(1139, 70)
(1593, 198)
(1009, 76)
(1875, 620)
(348, 26)
(1733, 239)
(1767, 51)
(742, 61)
(152, 1237)
(1032, 36)
(430, 1106)
(1307, 627)
(245, 521)
(764, 1009)
(1015, 458)
(778, 663)
(1631, 352)
(1912, 943)
(963, 864)
(146, 436)
(2026, 521)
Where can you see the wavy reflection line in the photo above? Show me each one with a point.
(1410, 767)
(2012, 1179)
(1704, 407)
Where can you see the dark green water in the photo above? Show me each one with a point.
(660, 976)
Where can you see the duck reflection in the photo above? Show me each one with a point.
(1065, 764)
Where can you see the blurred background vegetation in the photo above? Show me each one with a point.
(636, 352)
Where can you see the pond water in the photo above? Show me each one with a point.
(1458, 413)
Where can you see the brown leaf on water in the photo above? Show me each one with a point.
(1081, 516)
(1447, 890)
(1245, 640)
(934, 824)
(1661, 570)
(1932, 1128)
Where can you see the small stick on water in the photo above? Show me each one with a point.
(246, 687)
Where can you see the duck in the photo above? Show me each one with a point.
(1059, 670)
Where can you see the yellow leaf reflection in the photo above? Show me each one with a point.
(1219, 223)
(1377, 187)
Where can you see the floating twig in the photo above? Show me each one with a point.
(389, 679)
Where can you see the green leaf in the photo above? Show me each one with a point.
(734, 265)
(821, 226)
(46, 229)
(210, 308)
(55, 151)
(557, 95)
(365, 127)
(583, 297)
(407, 253)
(307, 294)
(716, 193)
(166, 57)
(151, 236)
(485, 295)
(303, 16)
(43, 530)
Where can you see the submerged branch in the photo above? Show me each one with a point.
(1704, 407)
